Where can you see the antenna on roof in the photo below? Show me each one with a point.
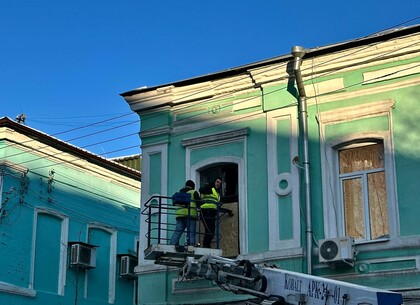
(21, 118)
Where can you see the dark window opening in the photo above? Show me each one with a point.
(229, 175)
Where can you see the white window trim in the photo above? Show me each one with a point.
(362, 175)
(274, 178)
(112, 260)
(63, 248)
(194, 174)
(329, 163)
(147, 151)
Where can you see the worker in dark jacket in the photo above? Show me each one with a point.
(186, 216)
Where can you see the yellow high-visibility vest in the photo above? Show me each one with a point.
(210, 200)
(183, 211)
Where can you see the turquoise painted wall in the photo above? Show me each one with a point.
(83, 199)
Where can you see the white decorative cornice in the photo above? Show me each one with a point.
(355, 112)
(329, 65)
(391, 73)
(390, 51)
(312, 100)
(217, 137)
(155, 132)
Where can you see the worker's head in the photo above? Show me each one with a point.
(217, 183)
(190, 184)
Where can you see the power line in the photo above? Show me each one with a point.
(76, 138)
(378, 57)
(79, 216)
(320, 76)
(214, 98)
(274, 91)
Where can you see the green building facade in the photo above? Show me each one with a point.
(312, 150)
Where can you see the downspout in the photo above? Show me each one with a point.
(298, 53)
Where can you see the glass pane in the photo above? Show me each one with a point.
(353, 208)
(361, 158)
(378, 210)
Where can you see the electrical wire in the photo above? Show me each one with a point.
(65, 152)
(253, 97)
(78, 216)
(221, 84)
(224, 83)
(76, 138)
(218, 97)
(285, 87)
(81, 127)
(103, 194)
(78, 181)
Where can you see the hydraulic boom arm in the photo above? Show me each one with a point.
(284, 287)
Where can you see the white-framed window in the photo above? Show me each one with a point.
(362, 190)
(359, 194)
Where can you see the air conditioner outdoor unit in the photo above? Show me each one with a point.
(336, 250)
(83, 255)
(127, 265)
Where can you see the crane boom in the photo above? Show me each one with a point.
(282, 286)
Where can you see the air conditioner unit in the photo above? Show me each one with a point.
(83, 255)
(336, 250)
(127, 265)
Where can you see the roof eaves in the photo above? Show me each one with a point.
(64, 146)
(311, 52)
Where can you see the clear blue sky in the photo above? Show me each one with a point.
(64, 63)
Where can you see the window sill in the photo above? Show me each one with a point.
(12, 289)
(374, 241)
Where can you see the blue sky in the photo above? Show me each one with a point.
(64, 63)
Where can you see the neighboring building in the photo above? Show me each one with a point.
(68, 218)
(333, 154)
(133, 161)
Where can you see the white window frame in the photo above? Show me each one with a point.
(63, 247)
(112, 260)
(193, 171)
(355, 175)
(333, 223)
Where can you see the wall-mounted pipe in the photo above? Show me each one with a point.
(298, 53)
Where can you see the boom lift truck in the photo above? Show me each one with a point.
(283, 287)
(267, 283)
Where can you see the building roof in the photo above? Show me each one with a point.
(133, 161)
(312, 52)
(67, 147)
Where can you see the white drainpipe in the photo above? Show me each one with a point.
(298, 52)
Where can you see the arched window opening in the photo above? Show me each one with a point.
(229, 211)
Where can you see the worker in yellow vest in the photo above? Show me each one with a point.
(210, 199)
(186, 216)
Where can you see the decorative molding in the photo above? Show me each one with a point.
(217, 137)
(193, 170)
(148, 151)
(155, 132)
(356, 112)
(390, 73)
(325, 87)
(332, 210)
(280, 254)
(274, 178)
(246, 103)
(335, 97)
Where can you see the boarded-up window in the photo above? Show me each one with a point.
(363, 191)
